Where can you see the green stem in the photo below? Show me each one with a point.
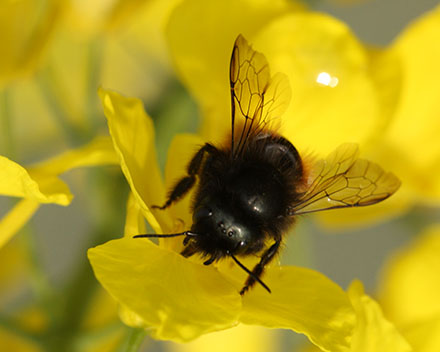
(107, 191)
(38, 278)
(91, 338)
(11, 326)
(134, 340)
(7, 147)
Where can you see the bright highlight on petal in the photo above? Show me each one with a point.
(325, 79)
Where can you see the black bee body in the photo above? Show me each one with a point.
(248, 194)
(241, 201)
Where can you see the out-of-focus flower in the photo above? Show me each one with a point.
(373, 331)
(410, 289)
(406, 76)
(334, 93)
(41, 184)
(179, 299)
(241, 338)
(26, 27)
(91, 18)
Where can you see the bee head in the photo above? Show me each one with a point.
(220, 231)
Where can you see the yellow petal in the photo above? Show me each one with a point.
(416, 125)
(202, 50)
(89, 18)
(133, 138)
(134, 221)
(26, 28)
(180, 153)
(99, 151)
(333, 97)
(16, 181)
(15, 219)
(411, 282)
(424, 336)
(40, 184)
(305, 301)
(238, 339)
(373, 332)
(178, 300)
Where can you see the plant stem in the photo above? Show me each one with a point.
(134, 340)
(7, 147)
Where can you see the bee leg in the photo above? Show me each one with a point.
(258, 270)
(188, 251)
(186, 183)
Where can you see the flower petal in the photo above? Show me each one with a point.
(333, 96)
(16, 181)
(240, 338)
(424, 336)
(202, 50)
(305, 301)
(15, 219)
(178, 300)
(416, 124)
(133, 137)
(373, 332)
(26, 28)
(99, 151)
(40, 184)
(411, 281)
(182, 149)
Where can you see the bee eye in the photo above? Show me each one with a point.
(201, 212)
(230, 233)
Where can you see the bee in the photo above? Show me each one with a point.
(249, 193)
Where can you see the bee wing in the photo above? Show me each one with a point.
(257, 99)
(342, 180)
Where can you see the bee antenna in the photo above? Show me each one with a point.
(255, 277)
(185, 233)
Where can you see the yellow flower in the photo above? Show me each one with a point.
(240, 339)
(179, 299)
(412, 132)
(373, 331)
(26, 27)
(41, 184)
(335, 95)
(410, 289)
(405, 77)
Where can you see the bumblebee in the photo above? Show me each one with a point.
(249, 192)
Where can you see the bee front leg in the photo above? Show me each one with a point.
(258, 270)
(186, 183)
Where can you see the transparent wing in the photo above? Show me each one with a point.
(342, 180)
(257, 98)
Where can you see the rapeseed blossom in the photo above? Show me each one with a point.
(180, 299)
(383, 99)
(333, 74)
